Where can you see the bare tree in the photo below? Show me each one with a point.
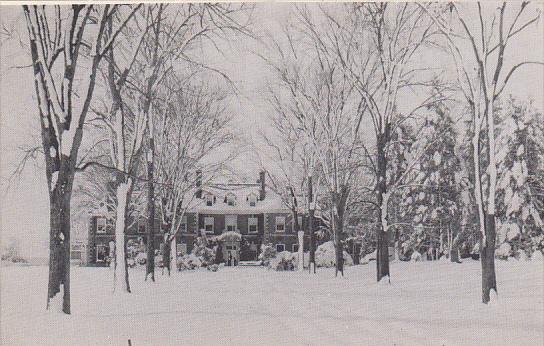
(319, 99)
(478, 37)
(191, 133)
(377, 46)
(289, 167)
(60, 38)
(177, 33)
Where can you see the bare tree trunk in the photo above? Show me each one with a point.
(487, 244)
(338, 221)
(173, 253)
(150, 267)
(124, 190)
(382, 249)
(166, 255)
(311, 263)
(486, 222)
(339, 249)
(487, 258)
(59, 243)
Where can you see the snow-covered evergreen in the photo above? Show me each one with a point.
(520, 151)
(430, 205)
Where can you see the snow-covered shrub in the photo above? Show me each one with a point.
(369, 257)
(522, 256)
(188, 262)
(268, 251)
(158, 260)
(131, 263)
(141, 258)
(213, 267)
(325, 256)
(204, 254)
(284, 261)
(504, 251)
(416, 257)
(537, 256)
(12, 253)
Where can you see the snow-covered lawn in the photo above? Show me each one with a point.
(428, 303)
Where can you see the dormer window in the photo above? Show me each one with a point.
(252, 200)
(231, 199)
(209, 200)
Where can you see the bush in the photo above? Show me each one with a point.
(325, 256)
(537, 256)
(416, 257)
(369, 257)
(284, 261)
(268, 252)
(213, 267)
(13, 258)
(141, 258)
(188, 262)
(11, 252)
(131, 263)
(504, 251)
(204, 254)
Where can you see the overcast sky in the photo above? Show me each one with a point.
(24, 209)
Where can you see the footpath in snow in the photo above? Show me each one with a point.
(428, 303)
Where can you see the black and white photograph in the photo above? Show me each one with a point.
(272, 173)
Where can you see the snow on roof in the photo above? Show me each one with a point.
(242, 193)
(228, 236)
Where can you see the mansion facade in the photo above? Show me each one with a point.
(253, 210)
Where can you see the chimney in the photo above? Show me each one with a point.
(262, 180)
(198, 184)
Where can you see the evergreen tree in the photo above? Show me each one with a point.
(434, 199)
(520, 185)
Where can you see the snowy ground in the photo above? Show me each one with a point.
(428, 303)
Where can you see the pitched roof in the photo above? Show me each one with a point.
(241, 192)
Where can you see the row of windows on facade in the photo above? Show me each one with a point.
(231, 224)
(230, 199)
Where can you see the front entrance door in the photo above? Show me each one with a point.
(101, 253)
(232, 254)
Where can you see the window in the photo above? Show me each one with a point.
(280, 223)
(141, 225)
(209, 200)
(183, 225)
(208, 224)
(231, 223)
(252, 223)
(280, 247)
(295, 247)
(101, 225)
(252, 200)
(109, 224)
(231, 199)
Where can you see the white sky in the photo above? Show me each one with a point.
(24, 208)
